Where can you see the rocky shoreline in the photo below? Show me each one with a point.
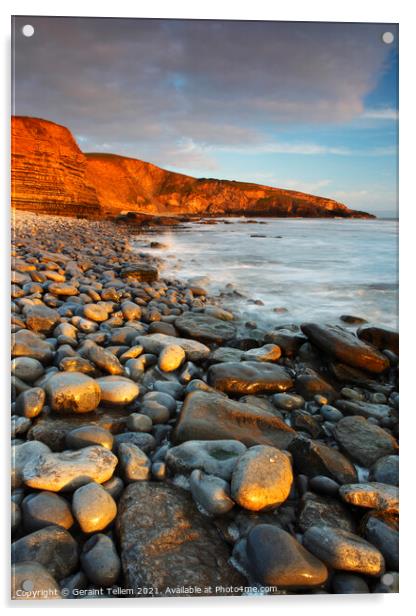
(161, 449)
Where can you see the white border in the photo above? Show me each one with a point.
(301, 10)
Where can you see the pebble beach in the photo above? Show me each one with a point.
(160, 447)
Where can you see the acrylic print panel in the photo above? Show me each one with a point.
(204, 308)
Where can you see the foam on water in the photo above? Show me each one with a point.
(303, 269)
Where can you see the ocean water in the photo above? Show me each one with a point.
(302, 270)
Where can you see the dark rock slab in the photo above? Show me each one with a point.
(386, 470)
(364, 441)
(278, 559)
(140, 272)
(249, 377)
(311, 384)
(380, 337)
(385, 537)
(364, 409)
(312, 458)
(206, 416)
(346, 347)
(166, 543)
(205, 328)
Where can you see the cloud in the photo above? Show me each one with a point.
(174, 91)
(381, 114)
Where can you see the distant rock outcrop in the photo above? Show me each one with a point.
(51, 174)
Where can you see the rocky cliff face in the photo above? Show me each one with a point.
(51, 174)
(48, 170)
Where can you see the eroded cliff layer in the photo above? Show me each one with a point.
(51, 174)
(48, 170)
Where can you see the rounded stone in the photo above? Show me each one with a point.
(211, 493)
(158, 406)
(386, 470)
(88, 435)
(40, 318)
(68, 470)
(171, 358)
(134, 463)
(278, 559)
(27, 368)
(343, 550)
(52, 546)
(136, 422)
(114, 487)
(95, 312)
(214, 457)
(324, 485)
(330, 413)
(93, 507)
(158, 471)
(262, 478)
(349, 584)
(30, 580)
(72, 391)
(100, 560)
(268, 352)
(117, 390)
(46, 509)
(30, 402)
(288, 402)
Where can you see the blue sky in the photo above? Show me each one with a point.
(306, 106)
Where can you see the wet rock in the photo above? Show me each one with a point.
(330, 413)
(386, 470)
(316, 510)
(365, 409)
(277, 559)
(131, 311)
(68, 470)
(72, 391)
(140, 272)
(155, 343)
(100, 560)
(104, 360)
(289, 342)
(40, 318)
(385, 537)
(268, 352)
(142, 440)
(379, 496)
(165, 542)
(348, 584)
(213, 457)
(363, 441)
(343, 550)
(30, 580)
(28, 344)
(313, 458)
(205, 328)
(346, 347)
(171, 357)
(212, 417)
(30, 402)
(305, 422)
(52, 546)
(95, 312)
(27, 369)
(117, 390)
(380, 337)
(19, 425)
(158, 406)
(46, 509)
(137, 422)
(134, 463)
(211, 493)
(88, 435)
(262, 478)
(249, 377)
(311, 384)
(93, 507)
(324, 485)
(288, 402)
(25, 453)
(225, 354)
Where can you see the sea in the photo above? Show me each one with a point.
(278, 271)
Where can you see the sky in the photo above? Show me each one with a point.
(305, 106)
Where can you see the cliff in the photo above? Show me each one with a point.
(48, 170)
(51, 174)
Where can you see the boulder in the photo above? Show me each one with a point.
(167, 544)
(205, 328)
(363, 441)
(346, 347)
(213, 457)
(72, 391)
(312, 458)
(206, 416)
(249, 377)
